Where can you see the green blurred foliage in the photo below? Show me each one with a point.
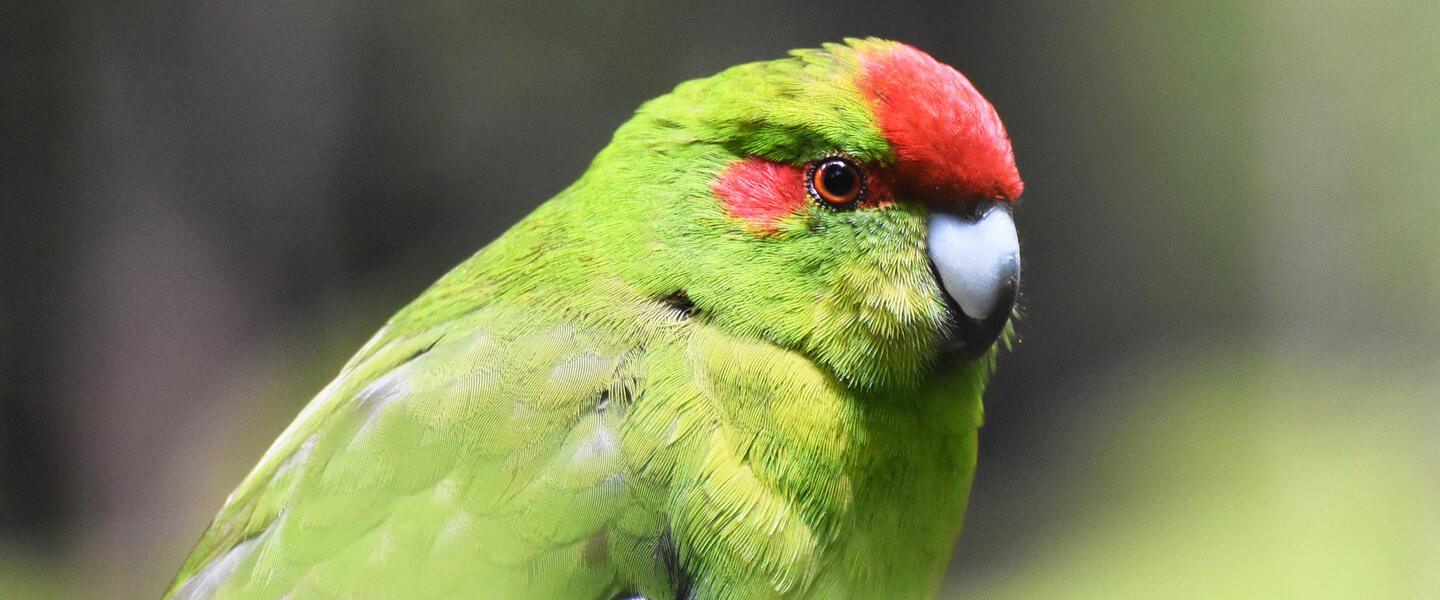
(1240, 476)
(27, 575)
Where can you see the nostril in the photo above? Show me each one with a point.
(975, 211)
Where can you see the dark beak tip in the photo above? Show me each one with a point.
(970, 338)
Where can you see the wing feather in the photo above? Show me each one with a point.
(486, 459)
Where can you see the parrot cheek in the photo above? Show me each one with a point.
(976, 260)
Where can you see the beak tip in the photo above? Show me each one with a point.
(974, 336)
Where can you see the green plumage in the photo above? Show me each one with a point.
(551, 420)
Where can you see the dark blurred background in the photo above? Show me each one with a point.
(1230, 353)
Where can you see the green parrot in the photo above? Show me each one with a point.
(741, 357)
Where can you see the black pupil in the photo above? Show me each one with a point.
(838, 179)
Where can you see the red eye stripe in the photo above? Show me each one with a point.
(762, 192)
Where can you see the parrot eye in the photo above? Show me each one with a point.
(836, 182)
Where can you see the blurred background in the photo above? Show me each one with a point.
(1230, 356)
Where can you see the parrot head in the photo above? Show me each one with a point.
(851, 203)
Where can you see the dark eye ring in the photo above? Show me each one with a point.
(836, 182)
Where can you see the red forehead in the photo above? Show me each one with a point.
(948, 141)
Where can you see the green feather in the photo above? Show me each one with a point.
(544, 422)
